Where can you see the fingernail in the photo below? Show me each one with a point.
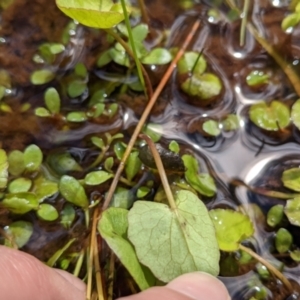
(200, 286)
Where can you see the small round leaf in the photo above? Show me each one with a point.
(47, 212)
(20, 232)
(283, 240)
(33, 158)
(41, 77)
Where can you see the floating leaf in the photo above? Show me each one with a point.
(271, 117)
(3, 169)
(158, 56)
(76, 88)
(67, 215)
(77, 116)
(20, 185)
(44, 188)
(292, 211)
(33, 157)
(192, 61)
(283, 240)
(257, 78)
(98, 142)
(20, 203)
(16, 163)
(63, 163)
(133, 165)
(295, 255)
(275, 215)
(73, 192)
(290, 21)
(154, 131)
(104, 14)
(113, 227)
(42, 112)
(20, 232)
(52, 100)
(174, 147)
(231, 123)
(203, 182)
(295, 114)
(97, 177)
(174, 242)
(211, 127)
(205, 86)
(122, 198)
(47, 212)
(41, 77)
(291, 179)
(231, 227)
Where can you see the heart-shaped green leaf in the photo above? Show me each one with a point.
(93, 13)
(20, 232)
(271, 117)
(113, 227)
(3, 169)
(292, 211)
(20, 203)
(231, 227)
(173, 242)
(72, 191)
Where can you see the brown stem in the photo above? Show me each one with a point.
(145, 17)
(269, 266)
(147, 111)
(111, 277)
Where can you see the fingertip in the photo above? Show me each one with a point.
(199, 285)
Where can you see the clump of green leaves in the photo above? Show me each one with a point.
(199, 83)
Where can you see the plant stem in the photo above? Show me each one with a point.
(244, 22)
(161, 171)
(145, 17)
(111, 277)
(269, 266)
(99, 159)
(147, 111)
(79, 264)
(130, 53)
(284, 65)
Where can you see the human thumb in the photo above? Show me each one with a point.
(196, 286)
(26, 278)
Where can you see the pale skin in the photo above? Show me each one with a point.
(23, 277)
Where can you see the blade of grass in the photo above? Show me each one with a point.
(147, 111)
(79, 263)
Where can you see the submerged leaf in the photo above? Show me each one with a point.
(67, 215)
(271, 117)
(174, 242)
(292, 211)
(103, 14)
(231, 227)
(20, 232)
(3, 169)
(72, 191)
(113, 227)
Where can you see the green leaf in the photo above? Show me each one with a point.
(192, 61)
(97, 177)
(97, 14)
(104, 59)
(119, 57)
(271, 117)
(290, 21)
(171, 243)
(291, 179)
(109, 163)
(231, 123)
(295, 255)
(33, 157)
(231, 227)
(56, 48)
(211, 127)
(47, 212)
(98, 142)
(52, 100)
(73, 192)
(20, 185)
(98, 109)
(122, 198)
(20, 203)
(44, 188)
(158, 56)
(77, 116)
(80, 70)
(133, 165)
(119, 149)
(275, 215)
(2, 91)
(142, 192)
(256, 77)
(154, 131)
(112, 109)
(67, 215)
(292, 211)
(41, 77)
(63, 163)
(42, 112)
(16, 163)
(20, 232)
(295, 114)
(205, 86)
(174, 147)
(283, 240)
(76, 88)
(113, 227)
(140, 32)
(202, 183)
(3, 169)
